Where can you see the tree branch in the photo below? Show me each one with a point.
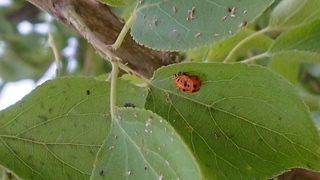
(106, 26)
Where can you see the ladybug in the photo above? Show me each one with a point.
(185, 83)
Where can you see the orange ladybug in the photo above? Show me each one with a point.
(185, 83)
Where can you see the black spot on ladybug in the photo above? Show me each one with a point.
(88, 92)
(129, 105)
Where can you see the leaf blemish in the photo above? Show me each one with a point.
(142, 142)
(168, 164)
(191, 14)
(101, 172)
(155, 22)
(242, 24)
(174, 9)
(130, 172)
(44, 118)
(233, 12)
(197, 35)
(216, 136)
(148, 122)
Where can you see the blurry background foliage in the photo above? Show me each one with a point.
(25, 52)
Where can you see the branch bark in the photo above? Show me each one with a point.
(106, 26)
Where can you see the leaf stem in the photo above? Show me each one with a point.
(236, 48)
(55, 51)
(254, 58)
(113, 89)
(123, 32)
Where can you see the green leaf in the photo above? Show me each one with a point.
(300, 44)
(290, 13)
(245, 122)
(56, 131)
(298, 56)
(142, 145)
(287, 68)
(302, 38)
(182, 25)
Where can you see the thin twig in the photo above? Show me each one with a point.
(123, 32)
(236, 48)
(55, 51)
(113, 89)
(254, 58)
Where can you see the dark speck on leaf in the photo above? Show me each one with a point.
(88, 92)
(129, 105)
(101, 172)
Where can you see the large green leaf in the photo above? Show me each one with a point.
(142, 145)
(56, 131)
(181, 25)
(290, 13)
(245, 122)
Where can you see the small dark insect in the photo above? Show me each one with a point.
(129, 105)
(88, 92)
